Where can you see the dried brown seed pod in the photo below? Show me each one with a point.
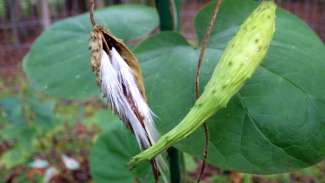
(119, 75)
(102, 39)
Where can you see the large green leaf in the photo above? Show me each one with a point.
(110, 154)
(58, 62)
(276, 122)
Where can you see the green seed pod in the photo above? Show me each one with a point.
(242, 56)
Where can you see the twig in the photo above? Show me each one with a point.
(91, 11)
(197, 81)
(204, 46)
(205, 151)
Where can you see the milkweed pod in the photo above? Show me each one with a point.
(98, 38)
(242, 56)
(120, 79)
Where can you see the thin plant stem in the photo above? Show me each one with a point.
(204, 45)
(91, 12)
(168, 14)
(205, 151)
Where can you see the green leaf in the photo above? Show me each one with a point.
(22, 151)
(102, 119)
(275, 123)
(110, 154)
(42, 109)
(12, 110)
(23, 132)
(58, 62)
(281, 123)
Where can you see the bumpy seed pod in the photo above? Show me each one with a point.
(119, 76)
(242, 56)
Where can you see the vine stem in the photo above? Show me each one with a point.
(204, 46)
(91, 12)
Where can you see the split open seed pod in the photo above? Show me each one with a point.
(102, 39)
(119, 76)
